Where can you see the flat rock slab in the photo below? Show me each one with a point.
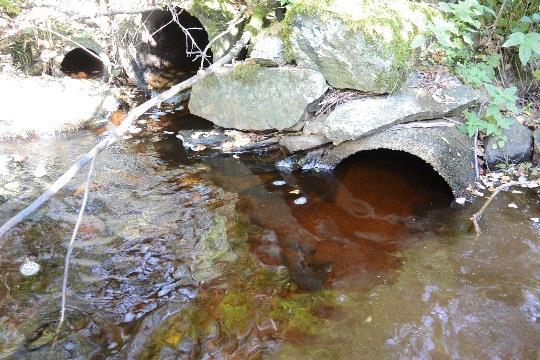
(294, 143)
(358, 118)
(46, 105)
(446, 149)
(250, 97)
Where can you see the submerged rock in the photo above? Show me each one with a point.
(517, 148)
(356, 44)
(250, 97)
(45, 105)
(362, 117)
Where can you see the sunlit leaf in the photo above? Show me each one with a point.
(514, 39)
(418, 41)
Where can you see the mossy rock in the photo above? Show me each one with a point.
(358, 44)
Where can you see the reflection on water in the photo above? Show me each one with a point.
(209, 256)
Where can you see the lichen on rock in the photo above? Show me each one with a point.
(359, 44)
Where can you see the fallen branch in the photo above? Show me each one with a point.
(72, 241)
(475, 219)
(117, 134)
(237, 19)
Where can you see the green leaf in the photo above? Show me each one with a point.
(514, 39)
(493, 60)
(525, 53)
(468, 39)
(536, 74)
(443, 38)
(418, 41)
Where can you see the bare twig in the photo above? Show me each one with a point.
(73, 237)
(499, 14)
(117, 134)
(475, 219)
(237, 19)
(476, 167)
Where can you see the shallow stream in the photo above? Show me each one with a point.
(211, 256)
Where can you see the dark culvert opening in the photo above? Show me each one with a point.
(395, 181)
(172, 55)
(80, 64)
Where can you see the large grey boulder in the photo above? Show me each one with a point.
(356, 44)
(250, 97)
(46, 105)
(517, 148)
(362, 117)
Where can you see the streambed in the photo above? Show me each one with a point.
(209, 256)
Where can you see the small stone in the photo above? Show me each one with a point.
(40, 171)
(513, 206)
(279, 183)
(29, 268)
(461, 200)
(301, 201)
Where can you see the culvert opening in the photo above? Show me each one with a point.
(394, 182)
(174, 49)
(79, 63)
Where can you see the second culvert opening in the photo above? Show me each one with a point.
(172, 52)
(82, 63)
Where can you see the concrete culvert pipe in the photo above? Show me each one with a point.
(82, 63)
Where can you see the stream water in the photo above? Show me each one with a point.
(209, 256)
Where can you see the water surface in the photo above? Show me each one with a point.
(185, 255)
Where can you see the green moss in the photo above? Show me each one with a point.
(217, 14)
(10, 7)
(22, 50)
(245, 72)
(235, 310)
(388, 30)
